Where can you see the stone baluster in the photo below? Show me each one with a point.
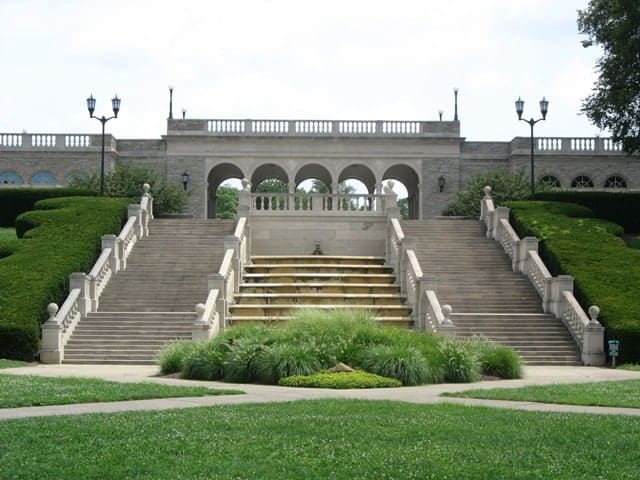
(81, 281)
(201, 329)
(135, 211)
(51, 348)
(244, 199)
(593, 339)
(116, 259)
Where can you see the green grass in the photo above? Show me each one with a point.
(339, 439)
(7, 234)
(340, 380)
(624, 393)
(630, 366)
(11, 363)
(632, 240)
(29, 391)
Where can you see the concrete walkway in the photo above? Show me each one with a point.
(427, 394)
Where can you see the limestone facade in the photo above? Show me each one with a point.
(417, 154)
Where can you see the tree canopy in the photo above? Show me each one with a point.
(614, 103)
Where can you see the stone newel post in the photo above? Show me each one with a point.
(51, 349)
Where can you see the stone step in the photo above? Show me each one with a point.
(316, 277)
(316, 259)
(397, 321)
(320, 298)
(316, 268)
(320, 287)
(284, 310)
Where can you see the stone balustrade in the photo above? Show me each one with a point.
(85, 289)
(556, 293)
(55, 141)
(207, 322)
(567, 145)
(300, 203)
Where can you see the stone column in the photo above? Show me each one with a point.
(51, 349)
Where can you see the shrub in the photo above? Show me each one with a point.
(285, 360)
(603, 267)
(205, 361)
(171, 357)
(403, 363)
(340, 380)
(497, 360)
(126, 180)
(63, 237)
(241, 360)
(15, 201)
(460, 364)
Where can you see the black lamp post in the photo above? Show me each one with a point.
(455, 104)
(544, 108)
(185, 179)
(441, 182)
(91, 105)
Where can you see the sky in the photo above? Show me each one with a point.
(298, 59)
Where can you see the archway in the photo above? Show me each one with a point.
(216, 177)
(317, 176)
(43, 178)
(409, 179)
(10, 178)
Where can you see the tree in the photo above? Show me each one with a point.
(615, 102)
(226, 202)
(504, 186)
(272, 185)
(126, 180)
(403, 204)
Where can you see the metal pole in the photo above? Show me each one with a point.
(533, 185)
(103, 121)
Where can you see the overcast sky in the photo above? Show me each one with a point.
(299, 59)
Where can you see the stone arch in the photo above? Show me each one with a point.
(217, 175)
(360, 172)
(314, 171)
(10, 178)
(550, 181)
(42, 178)
(616, 181)
(582, 181)
(266, 171)
(411, 181)
(75, 174)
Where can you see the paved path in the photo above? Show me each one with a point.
(267, 393)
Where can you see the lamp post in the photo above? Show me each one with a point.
(185, 179)
(91, 106)
(544, 107)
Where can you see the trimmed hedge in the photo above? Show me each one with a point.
(619, 207)
(340, 380)
(60, 237)
(14, 201)
(606, 271)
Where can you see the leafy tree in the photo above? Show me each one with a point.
(504, 186)
(126, 180)
(615, 102)
(272, 185)
(226, 202)
(403, 203)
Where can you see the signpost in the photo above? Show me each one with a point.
(614, 348)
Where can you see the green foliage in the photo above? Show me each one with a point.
(286, 360)
(171, 358)
(504, 186)
(340, 380)
(11, 363)
(272, 185)
(404, 363)
(604, 269)
(205, 361)
(31, 391)
(461, 364)
(618, 207)
(497, 360)
(127, 179)
(614, 25)
(60, 237)
(403, 204)
(14, 201)
(226, 202)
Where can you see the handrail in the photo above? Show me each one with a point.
(508, 238)
(437, 317)
(574, 316)
(538, 273)
(397, 229)
(225, 265)
(239, 230)
(207, 322)
(302, 203)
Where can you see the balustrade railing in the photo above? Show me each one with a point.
(317, 203)
(556, 293)
(207, 322)
(85, 289)
(53, 141)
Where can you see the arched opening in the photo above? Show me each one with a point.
(615, 181)
(43, 178)
(406, 185)
(220, 176)
(356, 179)
(582, 181)
(313, 178)
(10, 178)
(75, 175)
(270, 178)
(549, 181)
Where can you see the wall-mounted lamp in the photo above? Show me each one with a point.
(441, 182)
(185, 179)
(184, 113)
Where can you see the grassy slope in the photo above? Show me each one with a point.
(604, 394)
(11, 363)
(322, 439)
(28, 391)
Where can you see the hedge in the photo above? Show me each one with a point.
(619, 207)
(605, 270)
(14, 201)
(60, 237)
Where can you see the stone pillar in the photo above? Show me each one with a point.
(116, 263)
(218, 282)
(244, 199)
(558, 285)
(593, 340)
(201, 329)
(51, 348)
(526, 244)
(135, 211)
(81, 280)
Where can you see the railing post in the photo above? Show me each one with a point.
(501, 213)
(218, 282)
(201, 329)
(593, 340)
(447, 328)
(231, 242)
(559, 284)
(391, 201)
(135, 211)
(51, 348)
(525, 245)
(81, 280)
(116, 261)
(244, 199)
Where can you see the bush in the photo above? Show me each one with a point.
(340, 380)
(460, 364)
(286, 360)
(126, 180)
(403, 363)
(172, 356)
(603, 267)
(63, 237)
(240, 363)
(618, 207)
(504, 186)
(497, 360)
(205, 361)
(15, 201)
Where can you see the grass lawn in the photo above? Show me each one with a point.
(7, 234)
(322, 439)
(4, 363)
(29, 391)
(624, 393)
(630, 366)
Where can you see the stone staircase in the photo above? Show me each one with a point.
(276, 286)
(474, 276)
(152, 302)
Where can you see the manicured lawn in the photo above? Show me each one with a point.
(339, 439)
(4, 363)
(28, 391)
(630, 366)
(624, 393)
(7, 234)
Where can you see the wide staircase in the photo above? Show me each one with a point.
(474, 276)
(274, 287)
(153, 301)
